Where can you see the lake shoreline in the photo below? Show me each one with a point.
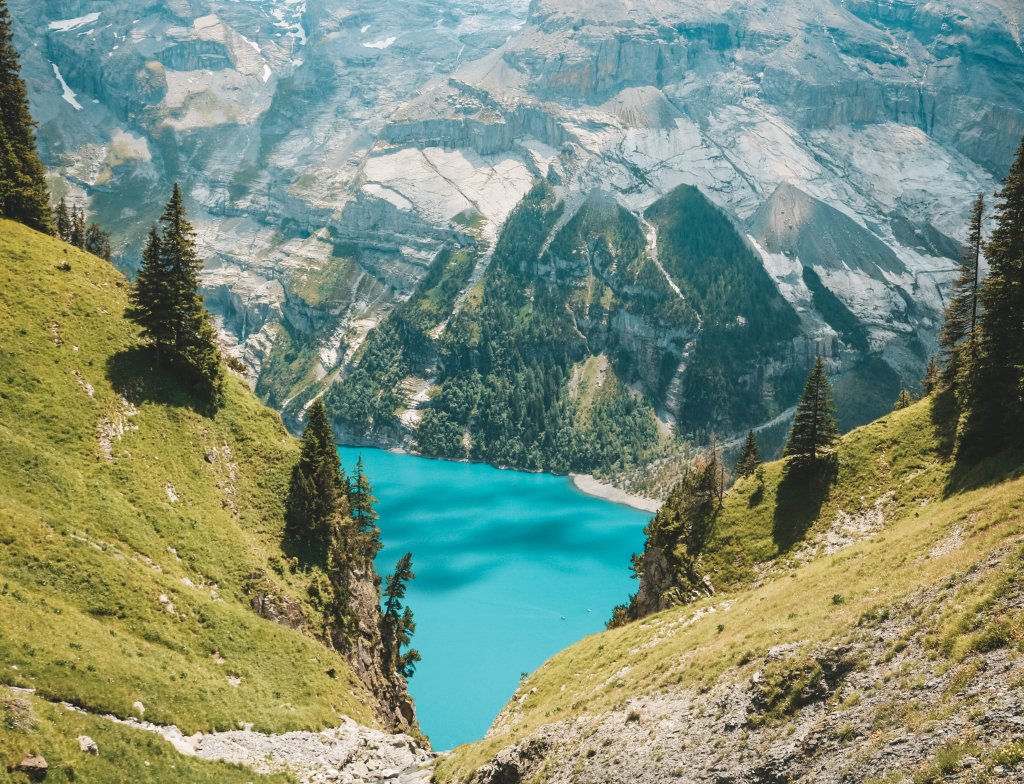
(585, 483)
(588, 485)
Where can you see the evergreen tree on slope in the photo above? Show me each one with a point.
(318, 485)
(994, 397)
(815, 431)
(62, 220)
(397, 621)
(77, 233)
(364, 515)
(150, 302)
(958, 339)
(750, 456)
(24, 196)
(167, 304)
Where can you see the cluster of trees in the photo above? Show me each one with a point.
(982, 360)
(369, 397)
(71, 227)
(678, 533)
(24, 196)
(167, 305)
(332, 519)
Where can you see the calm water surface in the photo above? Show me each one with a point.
(510, 568)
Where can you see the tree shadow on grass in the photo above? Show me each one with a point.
(136, 376)
(799, 498)
(945, 415)
(974, 466)
(975, 472)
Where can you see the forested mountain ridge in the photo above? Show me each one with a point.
(145, 571)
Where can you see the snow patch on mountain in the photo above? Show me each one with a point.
(67, 25)
(67, 93)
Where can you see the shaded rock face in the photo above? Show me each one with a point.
(34, 767)
(269, 603)
(360, 642)
(356, 634)
(331, 152)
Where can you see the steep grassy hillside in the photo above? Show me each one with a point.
(135, 532)
(889, 602)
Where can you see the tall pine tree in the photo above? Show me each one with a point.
(150, 301)
(62, 220)
(750, 456)
(815, 431)
(397, 624)
(24, 196)
(993, 401)
(167, 305)
(317, 492)
(958, 338)
(77, 233)
(364, 515)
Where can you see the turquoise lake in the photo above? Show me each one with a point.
(510, 568)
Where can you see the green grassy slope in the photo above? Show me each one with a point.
(937, 523)
(123, 566)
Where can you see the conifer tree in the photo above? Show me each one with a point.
(151, 306)
(930, 381)
(24, 196)
(993, 401)
(77, 235)
(903, 400)
(97, 241)
(316, 492)
(168, 306)
(750, 456)
(958, 336)
(397, 621)
(62, 220)
(364, 515)
(815, 431)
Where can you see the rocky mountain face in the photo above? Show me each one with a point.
(268, 113)
(334, 152)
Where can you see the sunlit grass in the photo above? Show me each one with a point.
(123, 579)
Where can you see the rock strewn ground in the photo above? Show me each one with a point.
(347, 754)
(880, 706)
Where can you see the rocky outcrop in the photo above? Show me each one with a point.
(269, 602)
(348, 754)
(359, 639)
(660, 586)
